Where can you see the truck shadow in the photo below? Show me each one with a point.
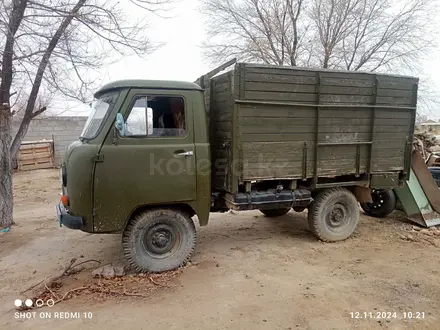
(226, 234)
(231, 229)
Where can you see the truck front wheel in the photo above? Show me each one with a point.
(384, 202)
(271, 213)
(334, 214)
(159, 240)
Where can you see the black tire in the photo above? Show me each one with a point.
(384, 202)
(159, 240)
(272, 213)
(334, 214)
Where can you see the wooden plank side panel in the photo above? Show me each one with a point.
(219, 96)
(220, 128)
(347, 90)
(323, 129)
(294, 170)
(295, 149)
(221, 79)
(346, 99)
(279, 87)
(404, 115)
(396, 83)
(270, 111)
(295, 71)
(272, 136)
(323, 137)
(268, 123)
(285, 159)
(254, 171)
(334, 118)
(390, 92)
(286, 111)
(276, 96)
(291, 151)
(394, 101)
(253, 77)
(284, 84)
(345, 82)
(250, 124)
(278, 70)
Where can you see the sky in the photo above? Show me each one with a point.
(181, 58)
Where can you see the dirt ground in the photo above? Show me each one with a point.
(248, 272)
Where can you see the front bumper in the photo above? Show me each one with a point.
(68, 220)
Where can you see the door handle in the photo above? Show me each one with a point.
(185, 153)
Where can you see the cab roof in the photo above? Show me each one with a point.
(152, 84)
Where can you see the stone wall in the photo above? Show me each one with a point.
(63, 130)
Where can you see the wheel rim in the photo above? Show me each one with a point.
(378, 197)
(338, 217)
(161, 240)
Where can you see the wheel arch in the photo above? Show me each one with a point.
(184, 207)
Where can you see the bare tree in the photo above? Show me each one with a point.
(365, 35)
(333, 21)
(264, 30)
(52, 46)
(372, 34)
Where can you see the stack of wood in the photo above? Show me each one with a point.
(427, 145)
(427, 139)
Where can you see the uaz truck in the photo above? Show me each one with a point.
(156, 154)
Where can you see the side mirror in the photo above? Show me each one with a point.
(119, 124)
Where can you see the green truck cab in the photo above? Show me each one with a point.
(154, 154)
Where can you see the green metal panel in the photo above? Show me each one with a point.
(138, 171)
(150, 84)
(412, 197)
(384, 180)
(202, 204)
(415, 203)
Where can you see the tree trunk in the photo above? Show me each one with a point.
(19, 136)
(6, 195)
(30, 106)
(6, 75)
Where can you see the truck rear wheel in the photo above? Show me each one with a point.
(272, 213)
(334, 214)
(159, 240)
(384, 202)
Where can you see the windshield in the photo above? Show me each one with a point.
(101, 107)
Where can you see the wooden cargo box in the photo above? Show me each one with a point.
(274, 122)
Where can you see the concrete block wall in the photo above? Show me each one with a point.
(64, 130)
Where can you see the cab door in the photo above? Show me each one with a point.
(144, 161)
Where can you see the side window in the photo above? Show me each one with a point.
(156, 116)
(137, 121)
